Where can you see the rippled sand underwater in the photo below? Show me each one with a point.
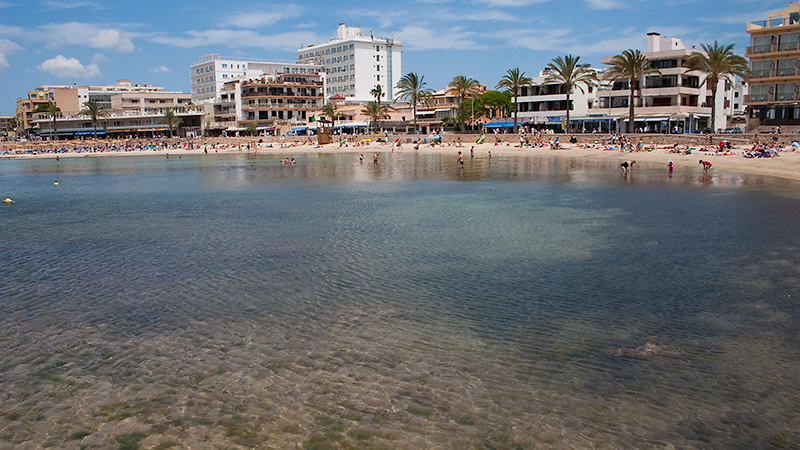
(530, 303)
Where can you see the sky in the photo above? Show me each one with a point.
(149, 42)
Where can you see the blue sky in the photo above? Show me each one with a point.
(98, 42)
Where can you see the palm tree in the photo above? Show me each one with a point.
(717, 62)
(377, 92)
(170, 119)
(514, 81)
(464, 87)
(92, 109)
(566, 71)
(411, 88)
(330, 112)
(54, 111)
(631, 66)
(375, 111)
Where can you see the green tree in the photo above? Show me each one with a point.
(473, 108)
(377, 92)
(170, 119)
(717, 62)
(412, 88)
(54, 111)
(513, 80)
(632, 66)
(331, 113)
(375, 111)
(463, 88)
(11, 126)
(498, 103)
(92, 109)
(566, 71)
(251, 129)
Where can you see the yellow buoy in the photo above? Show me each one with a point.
(8, 200)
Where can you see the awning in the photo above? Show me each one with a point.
(88, 133)
(299, 128)
(499, 125)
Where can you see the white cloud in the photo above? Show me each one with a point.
(101, 59)
(255, 19)
(161, 69)
(605, 4)
(239, 39)
(9, 30)
(493, 16)
(61, 66)
(110, 40)
(7, 48)
(512, 3)
(420, 38)
(71, 5)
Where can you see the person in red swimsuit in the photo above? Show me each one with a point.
(706, 165)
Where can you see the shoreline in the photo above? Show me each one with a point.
(787, 165)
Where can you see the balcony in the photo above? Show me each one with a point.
(766, 98)
(773, 22)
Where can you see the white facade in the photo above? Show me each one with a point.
(676, 97)
(355, 64)
(545, 104)
(209, 75)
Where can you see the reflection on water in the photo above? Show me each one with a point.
(203, 303)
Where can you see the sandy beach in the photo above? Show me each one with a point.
(787, 165)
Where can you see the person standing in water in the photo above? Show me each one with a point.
(460, 158)
(706, 165)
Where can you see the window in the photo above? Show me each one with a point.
(762, 44)
(761, 68)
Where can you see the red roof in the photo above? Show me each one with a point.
(337, 97)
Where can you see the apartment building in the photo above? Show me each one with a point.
(355, 64)
(148, 102)
(545, 105)
(676, 98)
(774, 55)
(208, 76)
(71, 97)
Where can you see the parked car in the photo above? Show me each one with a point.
(732, 130)
(705, 130)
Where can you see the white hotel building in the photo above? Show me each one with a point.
(210, 74)
(355, 64)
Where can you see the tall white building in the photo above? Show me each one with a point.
(210, 74)
(355, 64)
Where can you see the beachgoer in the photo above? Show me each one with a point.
(460, 158)
(706, 165)
(490, 153)
(361, 158)
(670, 166)
(472, 152)
(375, 160)
(627, 165)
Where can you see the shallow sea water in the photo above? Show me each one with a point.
(232, 302)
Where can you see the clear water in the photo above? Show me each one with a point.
(522, 302)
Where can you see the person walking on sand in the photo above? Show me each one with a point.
(627, 165)
(706, 165)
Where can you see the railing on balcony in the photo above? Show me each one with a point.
(757, 49)
(763, 98)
